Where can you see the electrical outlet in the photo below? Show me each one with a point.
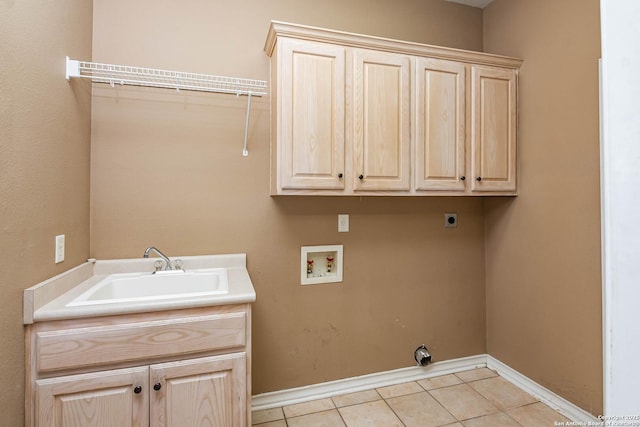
(451, 220)
(343, 223)
(59, 248)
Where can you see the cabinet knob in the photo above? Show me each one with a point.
(137, 389)
(462, 178)
(361, 176)
(340, 175)
(479, 178)
(157, 386)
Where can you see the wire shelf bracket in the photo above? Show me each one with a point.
(137, 76)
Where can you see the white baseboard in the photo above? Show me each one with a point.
(543, 394)
(292, 396)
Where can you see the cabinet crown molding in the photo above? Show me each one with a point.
(344, 38)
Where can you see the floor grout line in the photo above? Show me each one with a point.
(394, 412)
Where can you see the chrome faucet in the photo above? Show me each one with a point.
(167, 261)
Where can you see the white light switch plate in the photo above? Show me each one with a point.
(59, 248)
(343, 223)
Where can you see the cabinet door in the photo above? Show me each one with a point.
(440, 125)
(493, 132)
(210, 391)
(100, 399)
(310, 121)
(381, 121)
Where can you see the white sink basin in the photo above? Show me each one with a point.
(165, 285)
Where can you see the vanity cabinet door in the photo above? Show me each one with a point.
(440, 125)
(117, 398)
(209, 391)
(310, 88)
(381, 121)
(493, 130)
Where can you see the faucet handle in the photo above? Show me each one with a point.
(158, 265)
(177, 264)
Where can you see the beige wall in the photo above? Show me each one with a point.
(543, 248)
(167, 169)
(44, 164)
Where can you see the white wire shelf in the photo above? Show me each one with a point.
(138, 76)
(150, 77)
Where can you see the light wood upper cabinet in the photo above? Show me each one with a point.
(310, 115)
(440, 125)
(493, 133)
(361, 115)
(381, 121)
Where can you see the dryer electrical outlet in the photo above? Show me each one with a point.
(451, 220)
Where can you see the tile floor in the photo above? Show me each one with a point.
(475, 398)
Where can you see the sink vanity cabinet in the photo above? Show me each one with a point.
(179, 368)
(362, 115)
(185, 363)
